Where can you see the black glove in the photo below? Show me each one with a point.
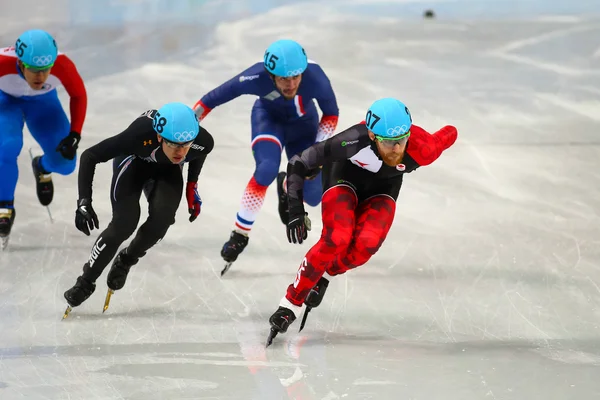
(298, 225)
(85, 216)
(68, 146)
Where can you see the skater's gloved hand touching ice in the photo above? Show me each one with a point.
(193, 199)
(85, 216)
(298, 225)
(68, 146)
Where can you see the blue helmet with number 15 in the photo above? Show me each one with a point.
(285, 58)
(389, 118)
(176, 122)
(36, 49)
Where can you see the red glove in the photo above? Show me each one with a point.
(193, 199)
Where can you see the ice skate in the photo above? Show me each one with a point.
(7, 219)
(43, 179)
(233, 248)
(284, 212)
(79, 293)
(280, 321)
(313, 299)
(117, 275)
(316, 294)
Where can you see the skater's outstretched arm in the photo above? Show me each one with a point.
(249, 81)
(425, 147)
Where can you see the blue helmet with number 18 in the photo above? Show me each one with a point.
(36, 49)
(176, 122)
(389, 118)
(285, 58)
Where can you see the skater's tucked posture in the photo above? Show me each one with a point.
(283, 116)
(363, 168)
(30, 72)
(147, 157)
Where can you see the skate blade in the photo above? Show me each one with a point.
(4, 242)
(67, 312)
(107, 300)
(272, 335)
(227, 266)
(304, 318)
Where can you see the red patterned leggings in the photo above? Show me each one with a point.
(352, 234)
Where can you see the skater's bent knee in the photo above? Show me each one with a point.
(338, 238)
(161, 221)
(313, 198)
(9, 150)
(66, 167)
(266, 171)
(120, 230)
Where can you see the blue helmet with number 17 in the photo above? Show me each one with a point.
(389, 118)
(285, 58)
(36, 49)
(176, 122)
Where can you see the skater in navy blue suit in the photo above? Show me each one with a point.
(283, 117)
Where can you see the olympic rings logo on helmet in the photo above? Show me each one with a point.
(184, 136)
(397, 130)
(42, 61)
(295, 72)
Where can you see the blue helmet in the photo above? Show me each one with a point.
(285, 58)
(36, 49)
(389, 118)
(176, 122)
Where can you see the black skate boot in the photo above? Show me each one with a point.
(44, 186)
(79, 293)
(120, 268)
(7, 219)
(316, 294)
(284, 212)
(233, 248)
(280, 321)
(118, 274)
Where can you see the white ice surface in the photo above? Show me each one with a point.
(488, 286)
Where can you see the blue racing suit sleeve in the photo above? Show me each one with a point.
(325, 95)
(247, 82)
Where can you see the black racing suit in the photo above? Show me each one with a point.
(139, 164)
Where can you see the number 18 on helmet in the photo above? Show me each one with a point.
(176, 123)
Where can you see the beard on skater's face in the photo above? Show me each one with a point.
(175, 152)
(391, 151)
(288, 86)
